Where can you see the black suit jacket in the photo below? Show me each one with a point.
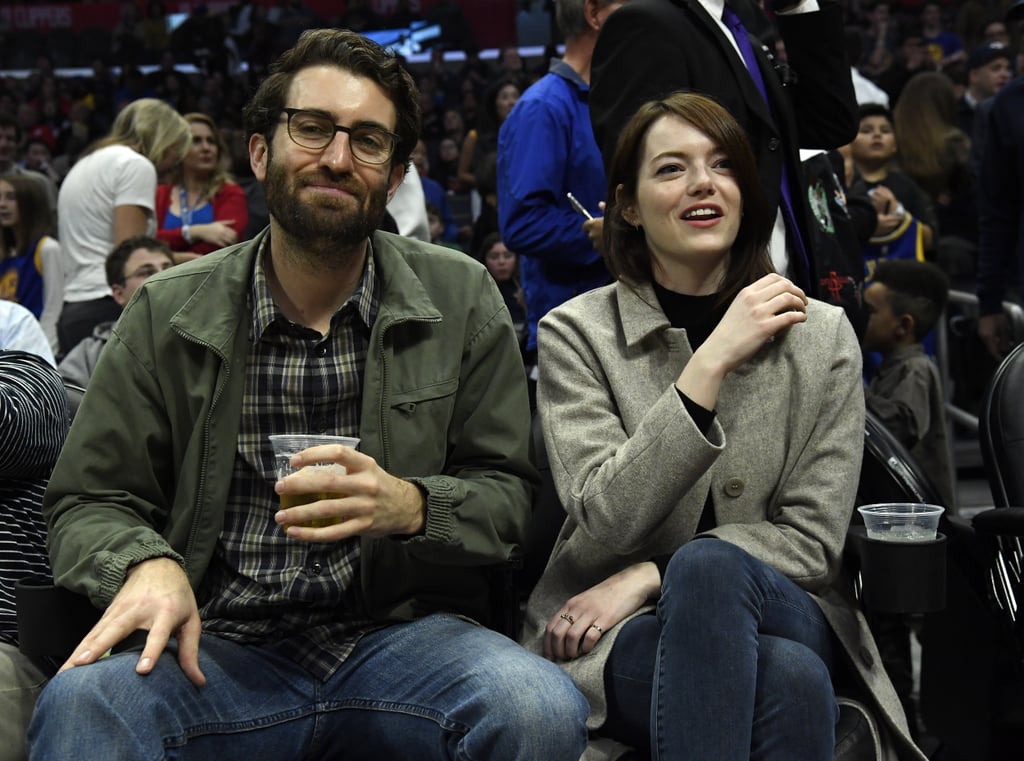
(650, 48)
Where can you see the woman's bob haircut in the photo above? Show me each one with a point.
(626, 253)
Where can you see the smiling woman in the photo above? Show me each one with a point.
(203, 209)
(685, 402)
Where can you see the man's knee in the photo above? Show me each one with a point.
(109, 685)
(536, 702)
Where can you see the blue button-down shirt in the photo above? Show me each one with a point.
(546, 148)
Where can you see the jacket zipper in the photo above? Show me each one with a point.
(200, 492)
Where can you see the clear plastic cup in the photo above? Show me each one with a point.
(289, 444)
(901, 521)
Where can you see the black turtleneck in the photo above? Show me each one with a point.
(698, 316)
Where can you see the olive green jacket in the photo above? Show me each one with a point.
(147, 466)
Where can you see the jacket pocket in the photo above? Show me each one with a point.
(423, 417)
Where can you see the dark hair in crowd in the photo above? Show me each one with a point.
(874, 109)
(118, 258)
(8, 120)
(35, 218)
(352, 52)
(919, 289)
(626, 252)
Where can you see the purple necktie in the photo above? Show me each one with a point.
(739, 33)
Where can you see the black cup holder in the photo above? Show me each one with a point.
(901, 577)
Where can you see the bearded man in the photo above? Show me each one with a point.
(358, 638)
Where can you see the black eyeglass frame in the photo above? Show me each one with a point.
(356, 151)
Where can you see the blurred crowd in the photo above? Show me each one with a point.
(929, 64)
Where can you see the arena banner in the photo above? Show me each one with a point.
(493, 21)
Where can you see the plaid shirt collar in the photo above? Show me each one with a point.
(266, 311)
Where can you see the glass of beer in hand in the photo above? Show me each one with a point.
(288, 445)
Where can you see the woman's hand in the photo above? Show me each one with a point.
(581, 622)
(756, 315)
(219, 234)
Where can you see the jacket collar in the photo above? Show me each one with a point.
(226, 276)
(639, 311)
(403, 296)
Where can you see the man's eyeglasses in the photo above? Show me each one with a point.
(308, 129)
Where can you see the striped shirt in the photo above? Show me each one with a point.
(33, 424)
(262, 586)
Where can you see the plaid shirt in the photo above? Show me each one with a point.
(262, 586)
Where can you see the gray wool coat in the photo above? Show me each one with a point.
(782, 462)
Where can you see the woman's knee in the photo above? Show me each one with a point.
(795, 678)
(706, 566)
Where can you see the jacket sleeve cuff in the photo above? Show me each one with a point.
(442, 494)
(116, 566)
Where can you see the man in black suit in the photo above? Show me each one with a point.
(649, 48)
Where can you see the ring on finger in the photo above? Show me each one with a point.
(599, 629)
(567, 617)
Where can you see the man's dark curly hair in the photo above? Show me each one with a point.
(351, 52)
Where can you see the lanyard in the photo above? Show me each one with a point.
(186, 210)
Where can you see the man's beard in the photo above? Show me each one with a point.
(328, 225)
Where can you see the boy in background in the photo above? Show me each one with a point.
(903, 303)
(899, 201)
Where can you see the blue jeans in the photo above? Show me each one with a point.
(436, 688)
(734, 665)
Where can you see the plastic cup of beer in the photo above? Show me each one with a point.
(289, 444)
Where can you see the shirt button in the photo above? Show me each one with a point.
(315, 569)
(773, 144)
(734, 487)
(322, 351)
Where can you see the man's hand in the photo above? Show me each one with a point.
(994, 332)
(594, 228)
(372, 501)
(156, 597)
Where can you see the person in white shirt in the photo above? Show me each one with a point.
(109, 195)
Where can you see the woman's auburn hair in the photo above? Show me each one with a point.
(625, 247)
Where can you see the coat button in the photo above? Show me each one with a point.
(773, 144)
(734, 487)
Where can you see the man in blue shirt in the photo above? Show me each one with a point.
(546, 148)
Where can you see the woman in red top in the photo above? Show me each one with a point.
(203, 209)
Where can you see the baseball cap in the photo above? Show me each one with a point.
(985, 54)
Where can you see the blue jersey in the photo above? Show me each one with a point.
(905, 242)
(21, 279)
